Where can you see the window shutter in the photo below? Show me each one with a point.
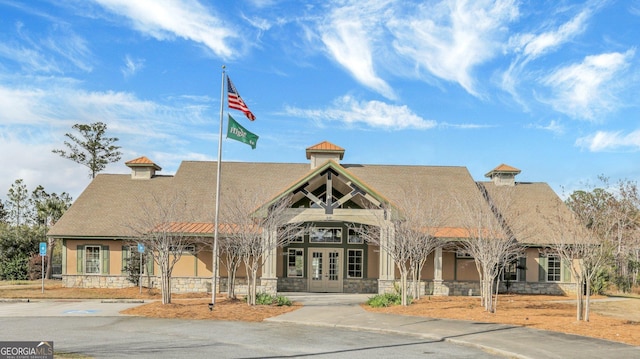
(80, 259)
(149, 264)
(522, 269)
(126, 253)
(542, 269)
(566, 271)
(105, 259)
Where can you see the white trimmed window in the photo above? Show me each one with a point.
(554, 268)
(92, 259)
(295, 263)
(355, 258)
(325, 235)
(353, 237)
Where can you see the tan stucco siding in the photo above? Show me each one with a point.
(373, 261)
(533, 264)
(185, 266)
(466, 269)
(115, 254)
(428, 269)
(448, 265)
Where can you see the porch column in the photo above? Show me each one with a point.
(386, 276)
(438, 287)
(269, 280)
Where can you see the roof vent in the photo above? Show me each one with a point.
(142, 168)
(503, 175)
(323, 152)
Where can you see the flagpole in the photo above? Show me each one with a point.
(214, 259)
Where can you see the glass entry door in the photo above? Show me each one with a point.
(325, 270)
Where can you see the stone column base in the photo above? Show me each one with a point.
(268, 285)
(439, 289)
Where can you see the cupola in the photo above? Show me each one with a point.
(142, 168)
(503, 175)
(323, 152)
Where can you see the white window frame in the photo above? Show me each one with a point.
(353, 237)
(337, 234)
(298, 238)
(349, 264)
(515, 270)
(463, 255)
(557, 271)
(294, 273)
(86, 259)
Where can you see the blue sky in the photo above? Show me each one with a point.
(549, 87)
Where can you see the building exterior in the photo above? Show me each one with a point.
(330, 198)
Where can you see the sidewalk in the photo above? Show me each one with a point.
(343, 311)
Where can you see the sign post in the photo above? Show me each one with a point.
(43, 253)
(140, 250)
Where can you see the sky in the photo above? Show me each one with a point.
(548, 87)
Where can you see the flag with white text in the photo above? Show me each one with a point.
(239, 133)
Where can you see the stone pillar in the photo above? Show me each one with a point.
(438, 286)
(386, 276)
(269, 279)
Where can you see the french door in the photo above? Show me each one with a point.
(325, 270)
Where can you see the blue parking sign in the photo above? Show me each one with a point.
(43, 249)
(140, 248)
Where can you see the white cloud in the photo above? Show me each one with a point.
(454, 37)
(166, 19)
(610, 140)
(349, 36)
(131, 66)
(587, 90)
(554, 126)
(535, 45)
(374, 114)
(532, 45)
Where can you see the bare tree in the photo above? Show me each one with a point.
(257, 230)
(231, 253)
(407, 232)
(489, 239)
(581, 249)
(163, 228)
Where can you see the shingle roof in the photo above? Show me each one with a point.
(109, 204)
(529, 209)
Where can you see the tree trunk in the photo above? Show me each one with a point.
(48, 268)
(403, 286)
(587, 303)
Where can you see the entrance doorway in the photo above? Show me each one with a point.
(325, 270)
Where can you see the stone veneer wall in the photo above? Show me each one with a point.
(270, 285)
(360, 286)
(292, 285)
(178, 284)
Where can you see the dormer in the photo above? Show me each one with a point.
(503, 175)
(323, 152)
(142, 168)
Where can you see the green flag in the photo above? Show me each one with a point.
(239, 133)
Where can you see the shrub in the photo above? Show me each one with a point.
(282, 300)
(384, 300)
(268, 299)
(264, 299)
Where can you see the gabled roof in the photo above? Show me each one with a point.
(341, 171)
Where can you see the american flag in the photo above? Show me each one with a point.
(236, 102)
